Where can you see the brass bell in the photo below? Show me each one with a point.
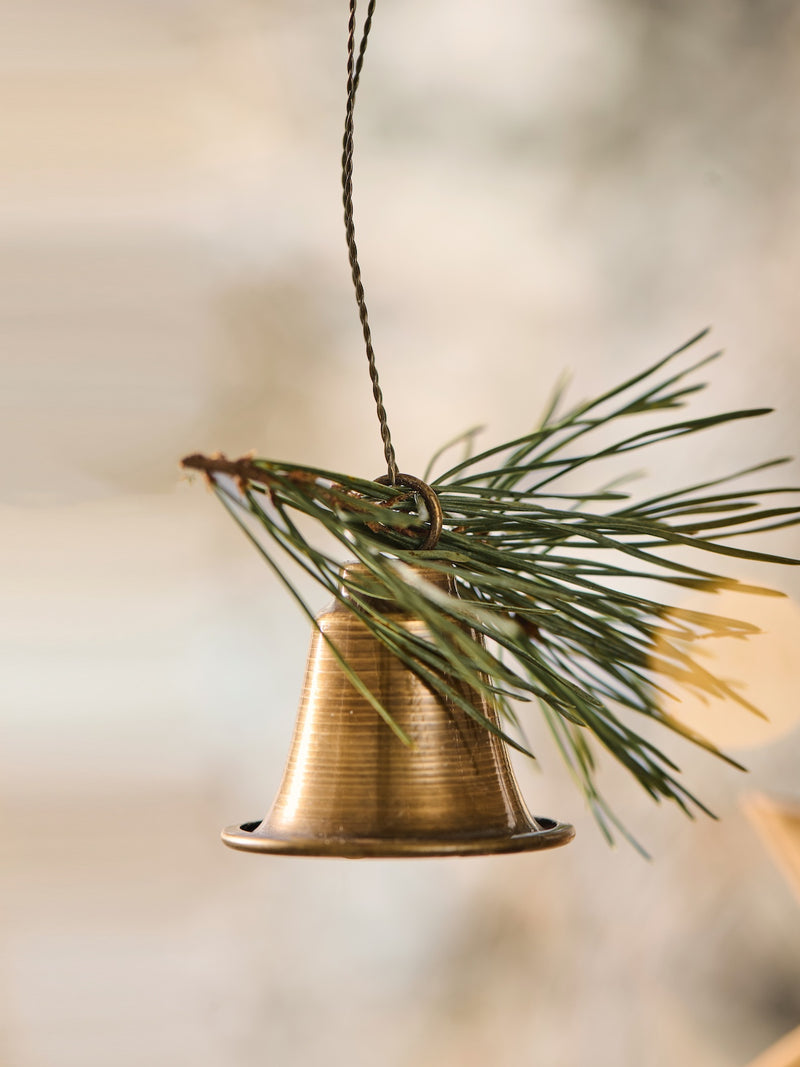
(352, 788)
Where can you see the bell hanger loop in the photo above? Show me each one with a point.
(431, 499)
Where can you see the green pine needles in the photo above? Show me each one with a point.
(560, 590)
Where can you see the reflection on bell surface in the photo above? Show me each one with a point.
(352, 788)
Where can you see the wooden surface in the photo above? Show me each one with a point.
(785, 1053)
(778, 825)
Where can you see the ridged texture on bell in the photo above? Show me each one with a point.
(352, 788)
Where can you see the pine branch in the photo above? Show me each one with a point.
(542, 614)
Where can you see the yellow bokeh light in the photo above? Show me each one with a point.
(762, 668)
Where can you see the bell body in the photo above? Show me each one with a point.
(353, 788)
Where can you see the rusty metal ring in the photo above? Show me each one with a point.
(431, 503)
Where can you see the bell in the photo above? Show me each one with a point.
(352, 788)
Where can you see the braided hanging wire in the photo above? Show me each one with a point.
(354, 68)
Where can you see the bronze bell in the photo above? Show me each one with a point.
(352, 788)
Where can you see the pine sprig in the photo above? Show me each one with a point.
(548, 610)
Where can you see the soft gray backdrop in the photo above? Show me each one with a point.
(539, 187)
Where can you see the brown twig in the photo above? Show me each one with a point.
(244, 469)
(246, 472)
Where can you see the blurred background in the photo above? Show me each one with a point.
(539, 187)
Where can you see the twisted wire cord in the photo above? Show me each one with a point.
(354, 68)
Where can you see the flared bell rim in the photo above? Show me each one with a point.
(551, 834)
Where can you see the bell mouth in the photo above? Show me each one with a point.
(247, 838)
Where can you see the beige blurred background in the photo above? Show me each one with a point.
(539, 187)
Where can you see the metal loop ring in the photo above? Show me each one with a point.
(431, 503)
